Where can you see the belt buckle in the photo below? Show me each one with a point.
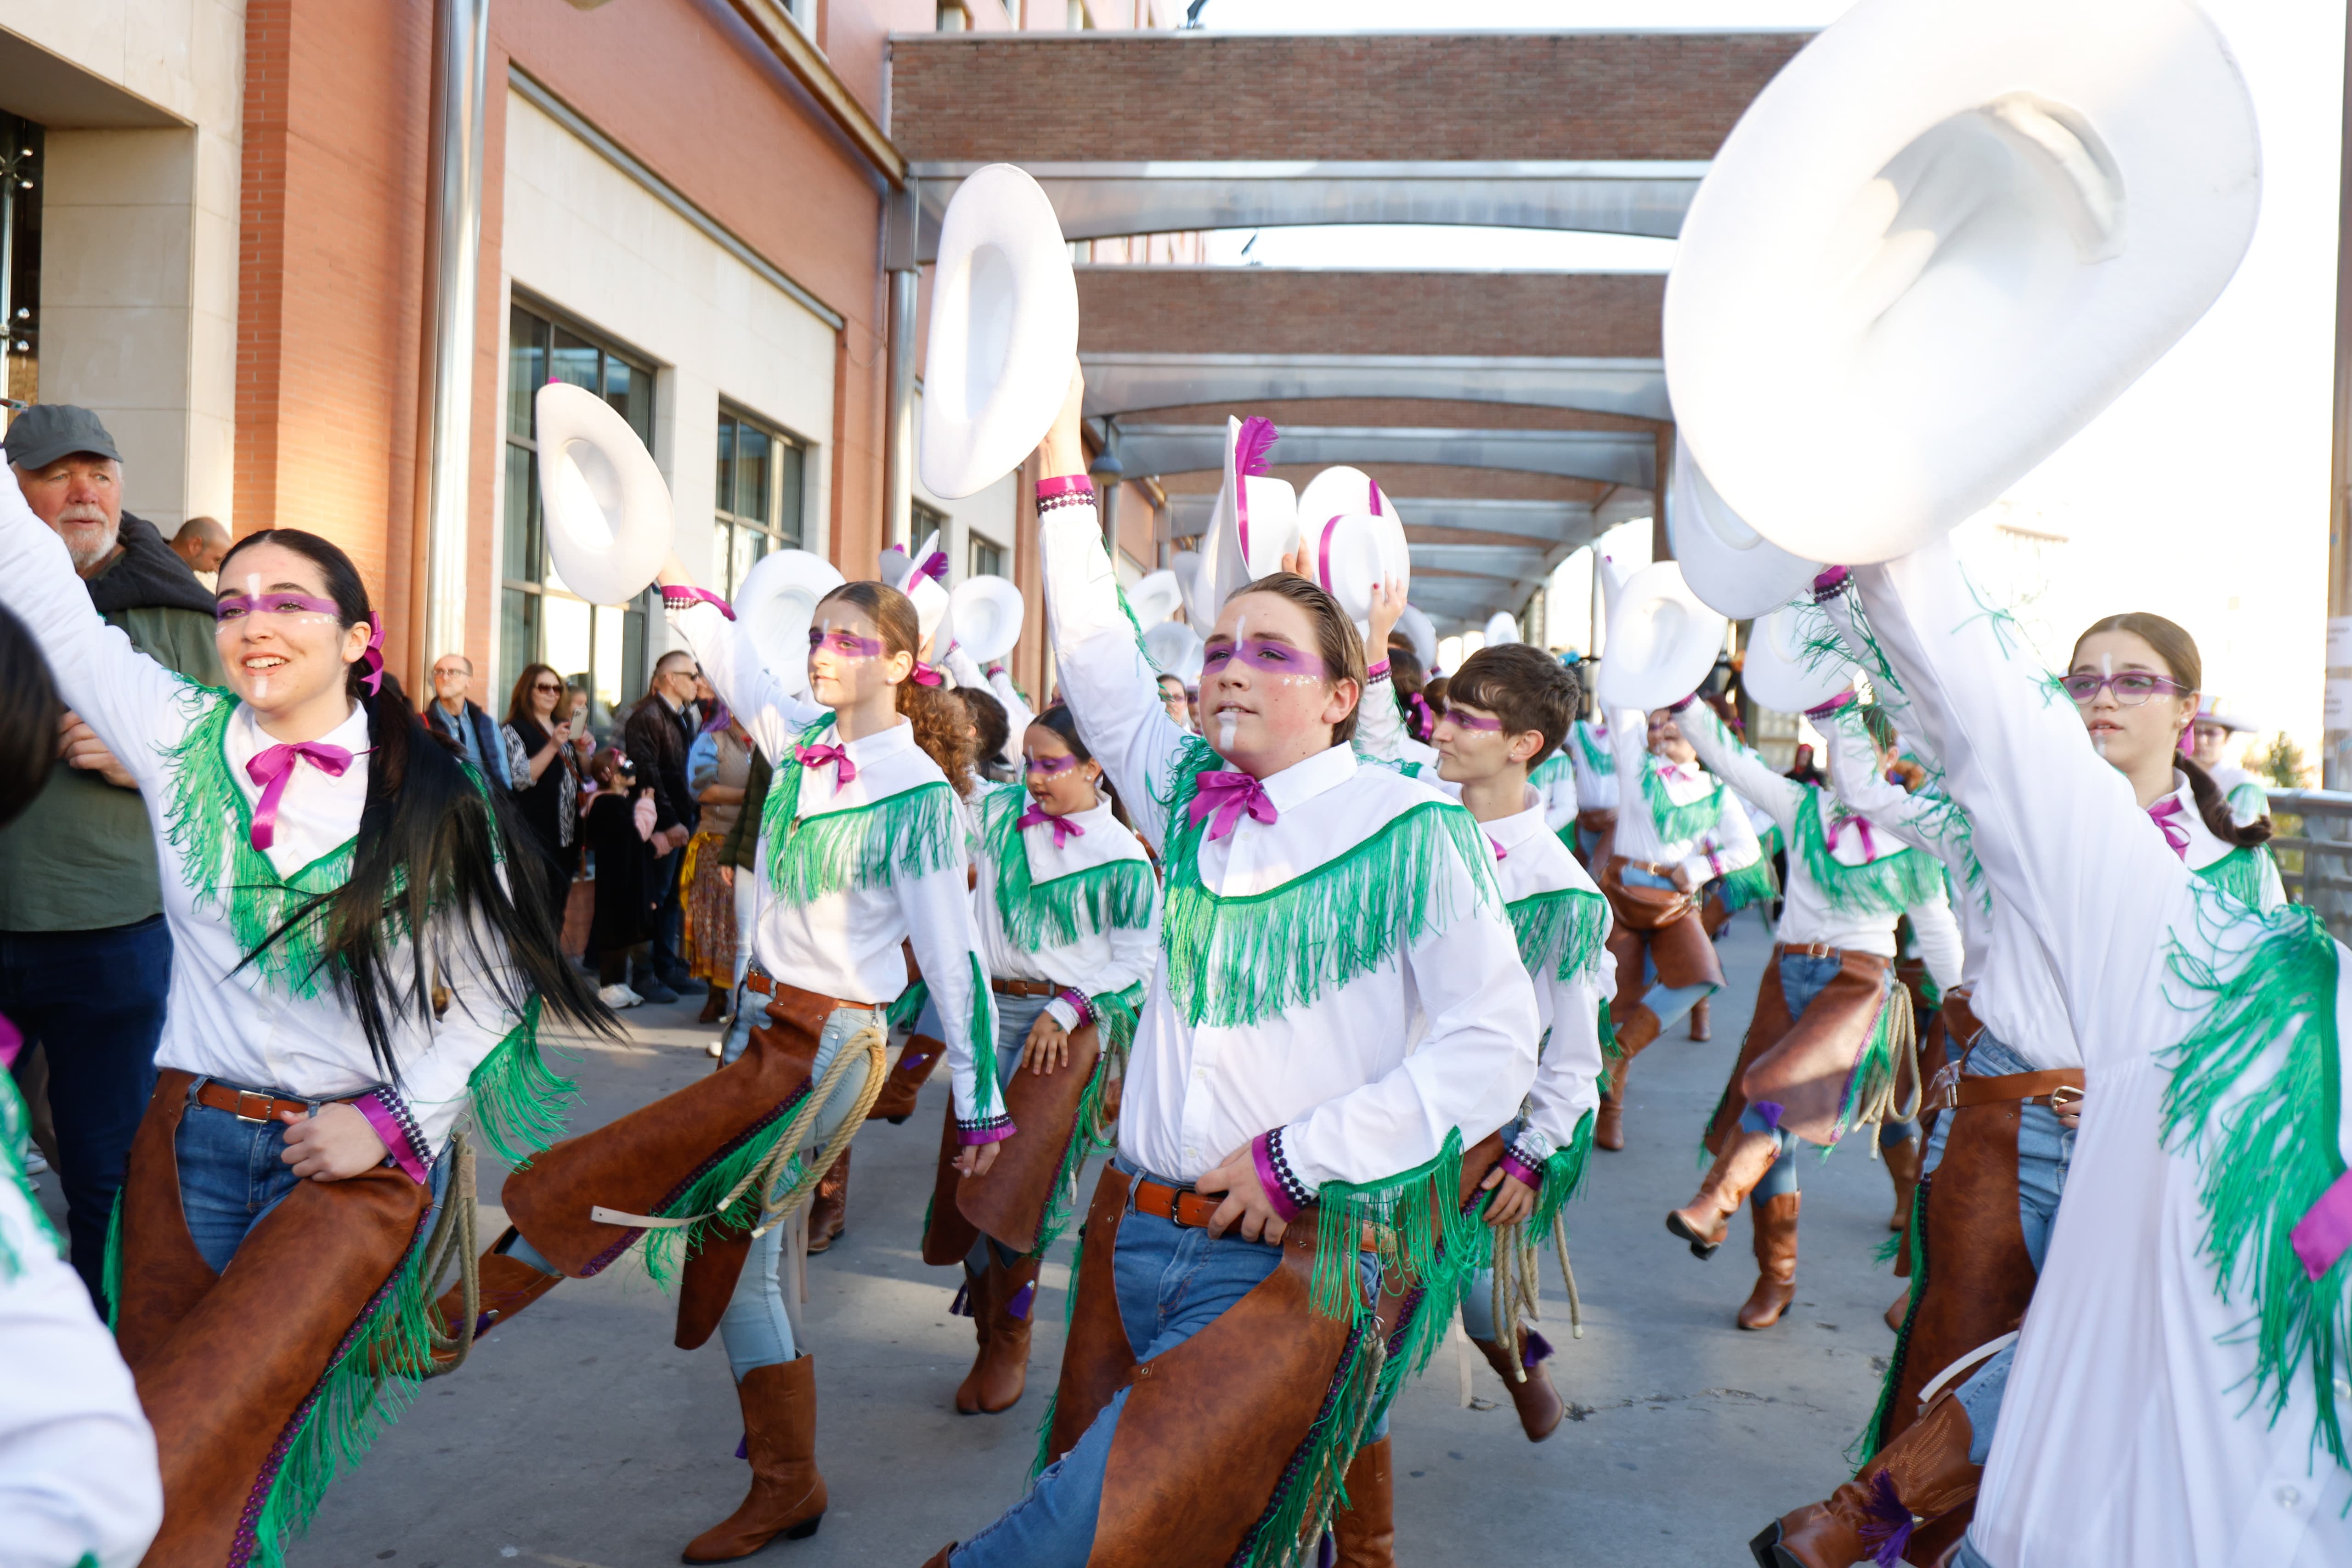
(2065, 1095)
(265, 1101)
(1944, 1089)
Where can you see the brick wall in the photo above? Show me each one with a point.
(971, 96)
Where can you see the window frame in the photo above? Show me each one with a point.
(787, 491)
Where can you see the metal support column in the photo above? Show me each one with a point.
(1662, 544)
(898, 411)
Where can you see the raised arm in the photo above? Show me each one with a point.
(1732, 846)
(1722, 754)
(730, 662)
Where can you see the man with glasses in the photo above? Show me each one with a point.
(658, 736)
(456, 717)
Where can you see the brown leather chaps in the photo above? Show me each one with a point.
(1804, 1064)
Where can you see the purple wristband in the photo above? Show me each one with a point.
(1078, 1003)
(1843, 700)
(1376, 672)
(1271, 1177)
(1828, 582)
(1065, 485)
(995, 1130)
(1519, 1171)
(1684, 705)
(677, 598)
(397, 1135)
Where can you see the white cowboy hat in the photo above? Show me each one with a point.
(1340, 492)
(1662, 641)
(2231, 722)
(1186, 564)
(985, 615)
(1727, 563)
(1156, 599)
(1791, 666)
(1255, 523)
(893, 565)
(1502, 629)
(606, 505)
(774, 604)
(1171, 643)
(1943, 239)
(1005, 331)
(1351, 555)
(1421, 632)
(929, 594)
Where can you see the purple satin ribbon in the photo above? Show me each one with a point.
(373, 657)
(1323, 557)
(1500, 853)
(272, 768)
(1424, 723)
(1860, 826)
(934, 566)
(1231, 795)
(11, 1042)
(2324, 1232)
(837, 756)
(1064, 828)
(2165, 813)
(925, 674)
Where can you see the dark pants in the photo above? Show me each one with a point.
(94, 999)
(669, 920)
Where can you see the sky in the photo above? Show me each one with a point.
(2200, 494)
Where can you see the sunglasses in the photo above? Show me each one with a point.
(543, 686)
(2132, 687)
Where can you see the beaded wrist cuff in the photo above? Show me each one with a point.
(1290, 1196)
(683, 598)
(1376, 672)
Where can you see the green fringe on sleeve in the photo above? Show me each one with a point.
(2254, 1099)
(1116, 1012)
(1561, 932)
(1754, 884)
(1610, 1050)
(1678, 823)
(909, 1007)
(519, 1101)
(1563, 1177)
(1116, 894)
(1420, 1235)
(982, 1025)
(1237, 960)
(1886, 886)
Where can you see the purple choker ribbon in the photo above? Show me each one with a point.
(846, 771)
(2165, 813)
(1231, 795)
(272, 768)
(1064, 828)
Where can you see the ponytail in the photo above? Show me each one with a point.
(2213, 806)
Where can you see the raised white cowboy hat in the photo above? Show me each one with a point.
(1943, 239)
(1421, 632)
(1005, 331)
(1662, 641)
(1172, 645)
(1790, 669)
(929, 594)
(1728, 564)
(1502, 629)
(774, 604)
(608, 506)
(985, 615)
(1154, 599)
(1338, 492)
(1186, 564)
(1253, 524)
(893, 566)
(1349, 555)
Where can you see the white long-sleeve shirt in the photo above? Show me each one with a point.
(1535, 864)
(1593, 759)
(846, 941)
(1367, 1078)
(1554, 780)
(2132, 1431)
(226, 1019)
(1729, 845)
(1380, 735)
(1104, 958)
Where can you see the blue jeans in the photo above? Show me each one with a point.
(94, 1000)
(1803, 977)
(232, 1175)
(1172, 1283)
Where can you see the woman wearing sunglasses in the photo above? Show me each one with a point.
(1067, 908)
(546, 771)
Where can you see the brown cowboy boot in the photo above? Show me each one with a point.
(829, 1209)
(1535, 1398)
(1925, 1472)
(1365, 1530)
(1701, 1021)
(939, 1558)
(897, 1101)
(974, 1299)
(1898, 1309)
(787, 1496)
(1609, 1123)
(508, 1286)
(1903, 1162)
(1776, 1262)
(1707, 1218)
(1004, 1368)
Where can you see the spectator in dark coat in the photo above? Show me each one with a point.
(658, 736)
(456, 717)
(617, 835)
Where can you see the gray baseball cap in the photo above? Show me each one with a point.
(47, 431)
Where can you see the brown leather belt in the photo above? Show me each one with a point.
(246, 1105)
(1024, 987)
(767, 984)
(1666, 872)
(1182, 1204)
(1807, 950)
(2056, 1087)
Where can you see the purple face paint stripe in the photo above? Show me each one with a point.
(848, 644)
(1469, 721)
(288, 604)
(1051, 765)
(1274, 657)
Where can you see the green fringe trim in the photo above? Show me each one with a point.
(1886, 886)
(1754, 884)
(110, 1271)
(1314, 1483)
(1420, 1235)
(2254, 1098)
(1679, 822)
(1601, 759)
(374, 1374)
(1237, 960)
(1116, 1015)
(1085, 1141)
(1560, 933)
(519, 1101)
(913, 833)
(667, 1250)
(1552, 768)
(282, 921)
(1116, 894)
(1872, 1435)
(909, 1007)
(1610, 1050)
(2240, 874)
(982, 1025)
(1563, 1177)
(1769, 841)
(1874, 1069)
(14, 1121)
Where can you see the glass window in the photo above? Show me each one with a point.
(599, 647)
(987, 557)
(758, 494)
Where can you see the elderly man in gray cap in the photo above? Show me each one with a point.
(85, 960)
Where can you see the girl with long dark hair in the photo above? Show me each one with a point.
(351, 968)
(544, 768)
(861, 850)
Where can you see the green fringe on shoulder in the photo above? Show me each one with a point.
(1678, 823)
(1754, 884)
(1114, 895)
(2253, 1098)
(1601, 758)
(1237, 960)
(519, 1101)
(912, 833)
(1886, 886)
(2240, 874)
(909, 1007)
(374, 1374)
(1561, 932)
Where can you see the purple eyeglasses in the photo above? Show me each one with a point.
(2132, 687)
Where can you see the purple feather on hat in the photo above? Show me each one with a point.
(1257, 438)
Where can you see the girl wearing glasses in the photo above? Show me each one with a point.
(546, 772)
(350, 970)
(1067, 908)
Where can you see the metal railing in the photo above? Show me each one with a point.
(2313, 844)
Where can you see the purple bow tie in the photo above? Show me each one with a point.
(2166, 815)
(1860, 826)
(1230, 795)
(272, 768)
(1500, 853)
(819, 756)
(1064, 828)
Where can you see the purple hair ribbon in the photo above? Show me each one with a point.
(373, 657)
(925, 674)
